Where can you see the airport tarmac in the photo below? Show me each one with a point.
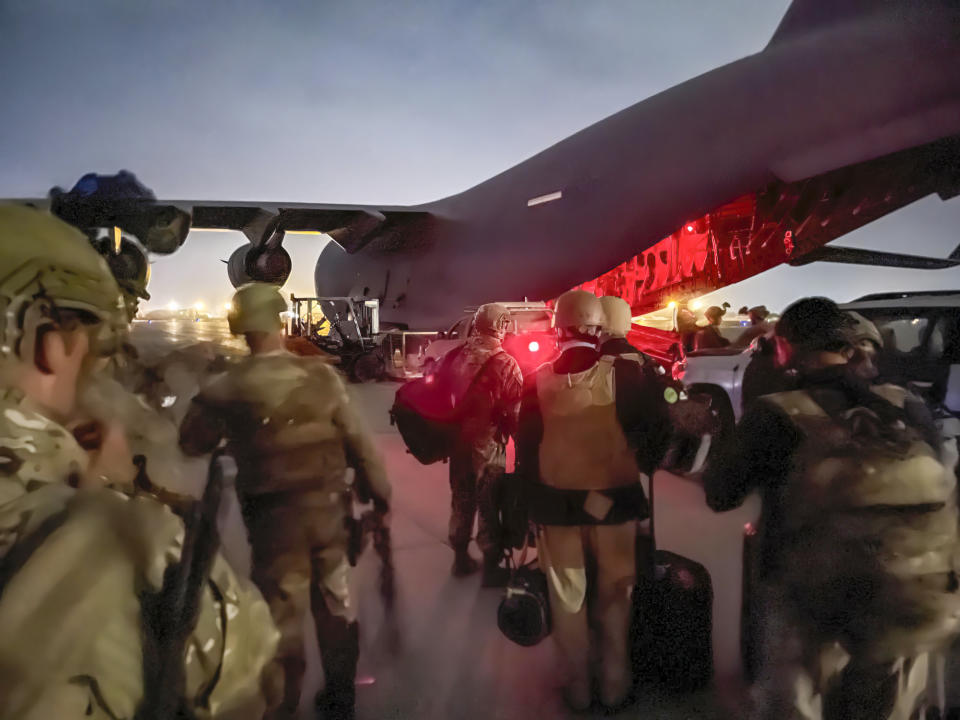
(452, 662)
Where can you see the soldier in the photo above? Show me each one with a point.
(867, 344)
(294, 434)
(616, 326)
(486, 382)
(589, 426)
(858, 532)
(758, 326)
(76, 558)
(709, 337)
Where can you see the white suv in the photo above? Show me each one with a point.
(921, 337)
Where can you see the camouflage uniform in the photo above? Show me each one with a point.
(73, 634)
(294, 434)
(488, 408)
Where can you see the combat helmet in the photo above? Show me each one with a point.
(813, 324)
(492, 319)
(863, 330)
(48, 267)
(617, 315)
(578, 308)
(256, 307)
(128, 261)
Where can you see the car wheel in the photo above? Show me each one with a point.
(368, 367)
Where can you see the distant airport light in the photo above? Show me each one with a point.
(695, 305)
(534, 346)
(198, 306)
(540, 200)
(228, 306)
(173, 306)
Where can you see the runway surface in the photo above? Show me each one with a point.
(452, 661)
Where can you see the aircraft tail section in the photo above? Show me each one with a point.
(807, 16)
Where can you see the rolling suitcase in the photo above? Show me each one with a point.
(672, 624)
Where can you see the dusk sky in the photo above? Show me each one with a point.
(368, 102)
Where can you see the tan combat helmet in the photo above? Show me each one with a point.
(492, 319)
(256, 307)
(48, 267)
(578, 308)
(863, 330)
(617, 316)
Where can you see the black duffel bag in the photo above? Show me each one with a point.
(523, 615)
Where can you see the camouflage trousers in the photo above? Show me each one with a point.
(473, 476)
(300, 564)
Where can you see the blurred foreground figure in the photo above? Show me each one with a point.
(486, 383)
(76, 558)
(858, 532)
(294, 434)
(588, 426)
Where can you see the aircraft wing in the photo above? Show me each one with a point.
(349, 225)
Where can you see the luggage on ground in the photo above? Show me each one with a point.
(672, 620)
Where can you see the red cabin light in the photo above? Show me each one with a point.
(534, 346)
(690, 228)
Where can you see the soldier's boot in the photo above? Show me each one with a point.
(494, 574)
(339, 652)
(463, 564)
(282, 683)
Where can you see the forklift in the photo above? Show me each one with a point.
(346, 327)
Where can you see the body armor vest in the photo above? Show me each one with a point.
(282, 428)
(583, 446)
(869, 529)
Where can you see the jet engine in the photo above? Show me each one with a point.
(249, 263)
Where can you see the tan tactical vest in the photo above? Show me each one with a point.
(283, 430)
(870, 529)
(583, 446)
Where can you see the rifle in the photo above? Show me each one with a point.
(170, 615)
(371, 524)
